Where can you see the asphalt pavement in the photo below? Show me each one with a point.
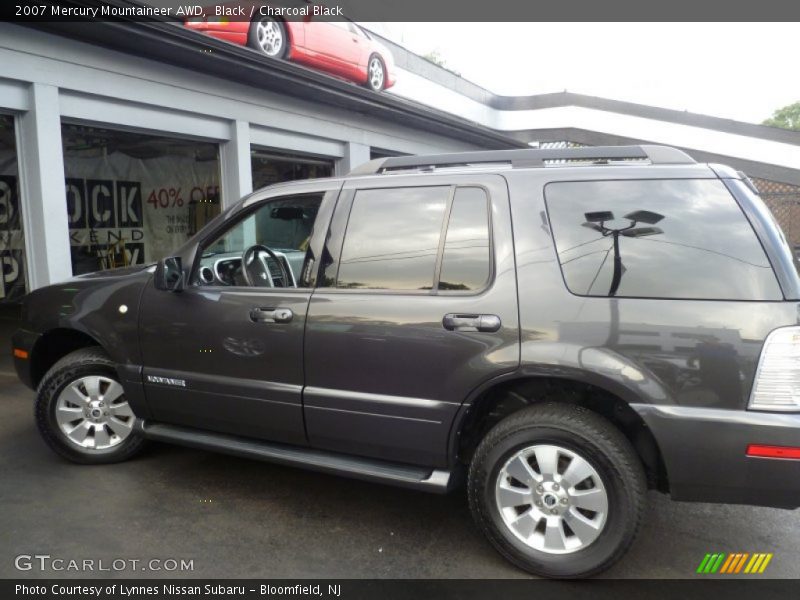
(240, 518)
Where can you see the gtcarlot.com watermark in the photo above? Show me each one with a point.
(48, 563)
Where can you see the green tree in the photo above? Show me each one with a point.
(436, 58)
(787, 117)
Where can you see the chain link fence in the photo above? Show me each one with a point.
(783, 200)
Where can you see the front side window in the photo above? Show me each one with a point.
(273, 240)
(675, 238)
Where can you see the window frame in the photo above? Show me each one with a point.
(733, 197)
(341, 221)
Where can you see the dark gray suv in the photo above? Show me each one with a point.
(564, 329)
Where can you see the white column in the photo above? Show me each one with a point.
(42, 194)
(237, 174)
(354, 155)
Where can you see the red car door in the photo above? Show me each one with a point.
(331, 47)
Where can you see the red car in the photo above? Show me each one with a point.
(340, 48)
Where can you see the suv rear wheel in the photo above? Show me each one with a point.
(558, 490)
(82, 413)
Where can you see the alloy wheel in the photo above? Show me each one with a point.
(376, 74)
(93, 414)
(270, 37)
(552, 499)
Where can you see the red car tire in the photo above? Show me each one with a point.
(268, 36)
(376, 73)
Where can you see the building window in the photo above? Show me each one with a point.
(269, 166)
(12, 243)
(134, 198)
(676, 238)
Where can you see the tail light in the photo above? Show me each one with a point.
(777, 383)
(785, 452)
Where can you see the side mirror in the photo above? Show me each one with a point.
(169, 274)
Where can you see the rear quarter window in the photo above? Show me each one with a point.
(677, 238)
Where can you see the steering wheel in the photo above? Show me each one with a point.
(263, 278)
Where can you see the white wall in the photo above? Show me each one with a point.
(415, 87)
(45, 79)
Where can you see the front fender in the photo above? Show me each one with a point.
(104, 307)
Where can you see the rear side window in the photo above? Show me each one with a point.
(401, 238)
(466, 259)
(392, 238)
(674, 238)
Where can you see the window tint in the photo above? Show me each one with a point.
(282, 225)
(465, 264)
(657, 239)
(392, 239)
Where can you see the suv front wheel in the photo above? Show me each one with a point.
(82, 412)
(558, 490)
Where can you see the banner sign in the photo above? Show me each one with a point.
(120, 211)
(123, 210)
(12, 249)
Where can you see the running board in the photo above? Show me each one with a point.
(408, 476)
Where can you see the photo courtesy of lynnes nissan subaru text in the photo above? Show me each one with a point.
(561, 329)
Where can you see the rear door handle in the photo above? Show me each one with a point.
(464, 322)
(271, 315)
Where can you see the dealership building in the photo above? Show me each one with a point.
(119, 141)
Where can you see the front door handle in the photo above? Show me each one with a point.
(465, 322)
(271, 315)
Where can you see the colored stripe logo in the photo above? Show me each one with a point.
(734, 563)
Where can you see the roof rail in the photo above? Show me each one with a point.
(657, 155)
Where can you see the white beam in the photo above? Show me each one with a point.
(42, 193)
(354, 155)
(289, 141)
(14, 95)
(237, 172)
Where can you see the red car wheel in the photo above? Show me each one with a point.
(268, 36)
(376, 73)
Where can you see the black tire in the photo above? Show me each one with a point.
(254, 42)
(78, 364)
(595, 440)
(374, 86)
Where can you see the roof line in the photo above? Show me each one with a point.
(175, 45)
(561, 99)
(404, 58)
(171, 43)
(597, 138)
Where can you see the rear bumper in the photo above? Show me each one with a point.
(704, 452)
(24, 340)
